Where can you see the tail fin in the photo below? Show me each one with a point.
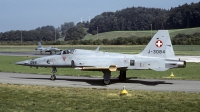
(39, 45)
(97, 49)
(159, 46)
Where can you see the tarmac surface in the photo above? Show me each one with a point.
(94, 82)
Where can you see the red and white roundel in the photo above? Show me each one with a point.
(159, 43)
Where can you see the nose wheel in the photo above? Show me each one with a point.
(53, 76)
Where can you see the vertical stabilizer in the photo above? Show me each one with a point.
(159, 46)
(97, 49)
(39, 45)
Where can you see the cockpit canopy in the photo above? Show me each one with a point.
(68, 51)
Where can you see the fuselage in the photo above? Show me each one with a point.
(80, 58)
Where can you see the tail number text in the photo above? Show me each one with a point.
(157, 51)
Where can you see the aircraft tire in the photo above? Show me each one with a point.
(106, 82)
(106, 77)
(53, 77)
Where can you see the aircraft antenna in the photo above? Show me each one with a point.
(21, 36)
(89, 19)
(55, 34)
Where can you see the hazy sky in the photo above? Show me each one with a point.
(30, 14)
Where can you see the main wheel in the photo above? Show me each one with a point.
(106, 82)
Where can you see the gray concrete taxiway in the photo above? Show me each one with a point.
(91, 82)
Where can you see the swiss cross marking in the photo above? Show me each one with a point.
(159, 43)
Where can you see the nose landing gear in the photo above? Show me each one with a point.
(53, 76)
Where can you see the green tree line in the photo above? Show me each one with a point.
(45, 33)
(180, 39)
(185, 16)
(116, 41)
(183, 39)
(141, 18)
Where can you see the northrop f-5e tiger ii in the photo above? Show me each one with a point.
(49, 49)
(158, 55)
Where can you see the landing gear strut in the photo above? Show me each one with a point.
(53, 76)
(122, 75)
(106, 77)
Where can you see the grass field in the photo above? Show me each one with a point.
(25, 98)
(149, 33)
(115, 34)
(191, 72)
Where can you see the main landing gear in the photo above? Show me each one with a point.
(122, 76)
(107, 75)
(53, 76)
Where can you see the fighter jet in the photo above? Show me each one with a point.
(158, 55)
(49, 49)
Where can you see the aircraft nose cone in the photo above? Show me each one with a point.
(22, 62)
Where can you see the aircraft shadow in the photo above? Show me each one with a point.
(140, 81)
(99, 82)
